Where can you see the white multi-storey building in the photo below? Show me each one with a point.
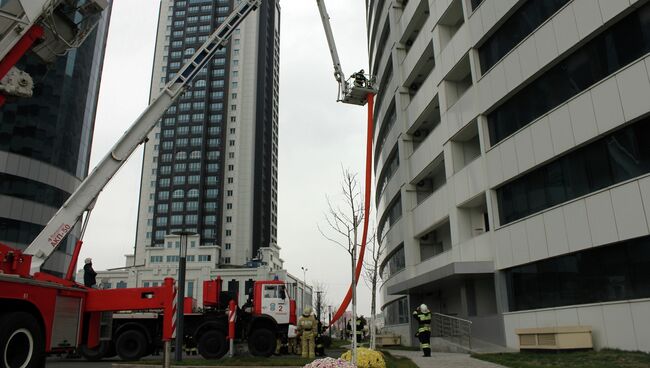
(512, 153)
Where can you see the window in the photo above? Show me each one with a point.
(176, 219)
(604, 55)
(212, 180)
(163, 195)
(603, 274)
(616, 157)
(181, 142)
(181, 155)
(213, 155)
(211, 193)
(197, 129)
(173, 259)
(193, 179)
(163, 183)
(394, 263)
(208, 233)
(179, 180)
(210, 220)
(212, 168)
(177, 206)
(156, 259)
(191, 219)
(179, 193)
(390, 168)
(210, 206)
(228, 219)
(195, 155)
(195, 141)
(193, 193)
(180, 167)
(192, 206)
(396, 312)
(205, 258)
(517, 27)
(392, 214)
(161, 208)
(194, 166)
(161, 221)
(216, 95)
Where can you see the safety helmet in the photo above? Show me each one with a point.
(88, 260)
(423, 308)
(306, 312)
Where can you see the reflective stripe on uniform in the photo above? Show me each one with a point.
(425, 317)
(424, 328)
(425, 346)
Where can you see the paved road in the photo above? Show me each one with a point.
(444, 360)
(76, 363)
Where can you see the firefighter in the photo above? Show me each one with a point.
(89, 274)
(361, 323)
(360, 78)
(291, 336)
(423, 316)
(307, 326)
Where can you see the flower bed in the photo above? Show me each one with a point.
(366, 358)
(330, 363)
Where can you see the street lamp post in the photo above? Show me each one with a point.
(304, 285)
(181, 293)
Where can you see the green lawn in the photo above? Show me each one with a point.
(243, 361)
(397, 361)
(583, 359)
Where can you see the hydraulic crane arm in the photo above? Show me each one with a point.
(356, 90)
(83, 197)
(325, 18)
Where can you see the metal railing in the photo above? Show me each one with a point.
(452, 328)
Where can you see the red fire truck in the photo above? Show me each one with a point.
(260, 321)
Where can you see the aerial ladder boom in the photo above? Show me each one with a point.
(356, 89)
(84, 196)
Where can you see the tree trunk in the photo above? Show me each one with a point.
(373, 311)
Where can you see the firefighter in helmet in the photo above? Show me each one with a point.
(423, 316)
(307, 326)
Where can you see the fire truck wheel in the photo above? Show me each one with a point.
(21, 341)
(97, 353)
(131, 345)
(213, 345)
(261, 342)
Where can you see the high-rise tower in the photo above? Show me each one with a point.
(211, 165)
(45, 142)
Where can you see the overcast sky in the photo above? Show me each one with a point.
(317, 135)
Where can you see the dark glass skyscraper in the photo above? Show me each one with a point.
(211, 165)
(45, 141)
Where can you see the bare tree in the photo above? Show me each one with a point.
(320, 300)
(343, 222)
(372, 277)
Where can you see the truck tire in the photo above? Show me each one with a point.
(97, 353)
(22, 343)
(261, 342)
(131, 345)
(213, 344)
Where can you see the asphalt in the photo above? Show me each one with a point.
(444, 360)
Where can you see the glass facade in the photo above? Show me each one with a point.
(192, 131)
(392, 214)
(604, 274)
(621, 44)
(517, 27)
(390, 168)
(394, 263)
(614, 158)
(396, 312)
(48, 139)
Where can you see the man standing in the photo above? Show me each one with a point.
(307, 328)
(89, 273)
(423, 316)
(361, 322)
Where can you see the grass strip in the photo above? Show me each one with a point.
(607, 358)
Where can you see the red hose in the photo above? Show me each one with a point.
(366, 212)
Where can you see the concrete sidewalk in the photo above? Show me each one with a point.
(444, 360)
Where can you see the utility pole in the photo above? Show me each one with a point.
(318, 305)
(329, 323)
(180, 305)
